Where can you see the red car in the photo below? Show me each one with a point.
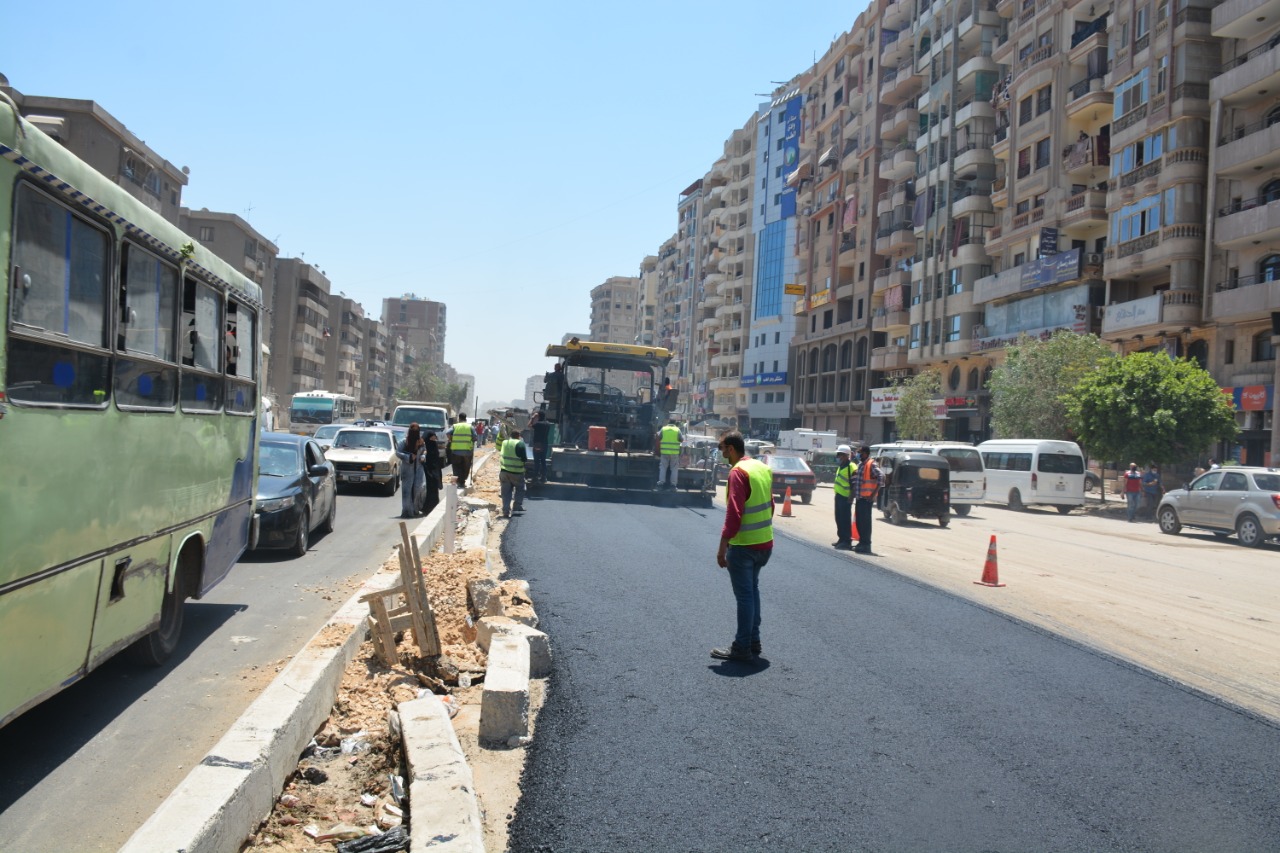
(791, 472)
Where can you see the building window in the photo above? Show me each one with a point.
(1042, 153)
(1269, 268)
(1044, 100)
(915, 336)
(1024, 162)
(206, 233)
(1263, 350)
(953, 334)
(1131, 94)
(1025, 107)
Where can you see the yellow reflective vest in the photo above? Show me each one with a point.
(670, 438)
(843, 476)
(512, 461)
(462, 438)
(757, 515)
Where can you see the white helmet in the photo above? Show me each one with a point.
(844, 448)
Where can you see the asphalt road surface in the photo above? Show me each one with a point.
(885, 714)
(85, 769)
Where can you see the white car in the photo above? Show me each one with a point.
(1235, 499)
(363, 455)
(324, 435)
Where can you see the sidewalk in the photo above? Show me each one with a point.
(224, 798)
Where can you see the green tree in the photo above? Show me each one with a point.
(1028, 390)
(914, 416)
(425, 384)
(1146, 407)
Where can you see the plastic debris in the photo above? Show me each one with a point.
(341, 832)
(289, 800)
(355, 743)
(369, 800)
(464, 679)
(389, 842)
(397, 788)
(519, 740)
(395, 811)
(451, 705)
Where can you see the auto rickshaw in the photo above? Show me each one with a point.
(915, 484)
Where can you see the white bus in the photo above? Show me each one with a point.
(968, 475)
(1025, 472)
(311, 409)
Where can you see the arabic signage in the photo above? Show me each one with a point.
(790, 152)
(1049, 241)
(1050, 270)
(764, 379)
(1251, 398)
(793, 289)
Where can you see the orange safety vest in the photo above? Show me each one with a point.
(868, 479)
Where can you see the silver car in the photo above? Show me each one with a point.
(1242, 500)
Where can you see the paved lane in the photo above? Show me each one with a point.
(886, 715)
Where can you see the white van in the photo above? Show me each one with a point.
(1025, 472)
(968, 475)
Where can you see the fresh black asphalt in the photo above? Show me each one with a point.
(884, 715)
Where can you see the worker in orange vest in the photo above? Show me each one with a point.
(867, 483)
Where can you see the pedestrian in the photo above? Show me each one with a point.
(867, 482)
(541, 445)
(462, 440)
(432, 480)
(1213, 464)
(411, 473)
(845, 471)
(1132, 489)
(746, 541)
(511, 477)
(667, 449)
(1151, 489)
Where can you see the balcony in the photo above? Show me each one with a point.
(1259, 69)
(1085, 211)
(889, 358)
(886, 279)
(904, 119)
(883, 319)
(1087, 94)
(1174, 308)
(1085, 154)
(893, 45)
(1249, 148)
(1000, 143)
(977, 64)
(972, 155)
(1032, 59)
(1237, 19)
(973, 109)
(1253, 220)
(1088, 39)
(898, 15)
(1240, 300)
(969, 200)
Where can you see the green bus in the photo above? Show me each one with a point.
(130, 363)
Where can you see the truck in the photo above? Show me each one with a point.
(808, 439)
(433, 416)
(605, 404)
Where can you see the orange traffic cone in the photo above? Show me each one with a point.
(786, 504)
(990, 573)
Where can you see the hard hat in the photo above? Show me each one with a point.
(844, 448)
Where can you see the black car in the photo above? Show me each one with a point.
(297, 492)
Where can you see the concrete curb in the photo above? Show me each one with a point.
(227, 795)
(446, 813)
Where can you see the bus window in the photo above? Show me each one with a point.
(1053, 463)
(240, 351)
(201, 341)
(148, 316)
(60, 288)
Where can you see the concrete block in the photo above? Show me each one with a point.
(442, 796)
(500, 605)
(539, 646)
(478, 592)
(504, 705)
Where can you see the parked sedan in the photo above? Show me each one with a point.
(791, 472)
(297, 492)
(1242, 500)
(362, 455)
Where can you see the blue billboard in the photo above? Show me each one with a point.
(790, 152)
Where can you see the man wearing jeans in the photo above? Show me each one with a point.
(745, 542)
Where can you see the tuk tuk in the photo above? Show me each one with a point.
(915, 484)
(824, 465)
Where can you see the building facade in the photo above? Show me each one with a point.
(421, 322)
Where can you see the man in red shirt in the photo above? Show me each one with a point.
(1132, 489)
(746, 542)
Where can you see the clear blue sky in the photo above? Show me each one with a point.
(503, 158)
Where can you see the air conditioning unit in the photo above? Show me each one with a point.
(1100, 311)
(1093, 259)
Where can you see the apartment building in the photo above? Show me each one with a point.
(615, 306)
(691, 377)
(344, 355)
(771, 313)
(302, 333)
(421, 322)
(375, 369)
(647, 302)
(101, 140)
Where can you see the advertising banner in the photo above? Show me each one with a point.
(790, 152)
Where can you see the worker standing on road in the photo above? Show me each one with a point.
(867, 483)
(668, 453)
(845, 471)
(511, 477)
(462, 440)
(746, 542)
(541, 445)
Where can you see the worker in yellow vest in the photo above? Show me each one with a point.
(845, 470)
(746, 542)
(462, 441)
(668, 452)
(511, 477)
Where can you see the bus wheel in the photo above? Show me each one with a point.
(960, 509)
(155, 648)
(1015, 499)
